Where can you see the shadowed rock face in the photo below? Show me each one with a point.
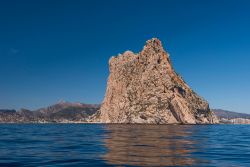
(144, 88)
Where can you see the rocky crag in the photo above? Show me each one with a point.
(144, 88)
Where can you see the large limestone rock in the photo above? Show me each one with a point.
(144, 88)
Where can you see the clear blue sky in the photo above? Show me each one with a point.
(55, 50)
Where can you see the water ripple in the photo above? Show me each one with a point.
(123, 145)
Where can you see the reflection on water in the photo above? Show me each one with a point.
(150, 145)
(101, 145)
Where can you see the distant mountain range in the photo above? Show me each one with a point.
(66, 112)
(229, 114)
(63, 112)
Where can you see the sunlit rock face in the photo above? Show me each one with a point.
(144, 88)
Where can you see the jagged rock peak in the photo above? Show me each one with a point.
(154, 43)
(144, 88)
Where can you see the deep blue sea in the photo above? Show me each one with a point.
(52, 145)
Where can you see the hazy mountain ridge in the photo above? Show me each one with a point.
(60, 112)
(64, 112)
(230, 117)
(230, 114)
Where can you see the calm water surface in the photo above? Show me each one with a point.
(51, 145)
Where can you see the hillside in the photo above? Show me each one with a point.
(230, 114)
(61, 112)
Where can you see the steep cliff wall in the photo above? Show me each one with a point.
(144, 88)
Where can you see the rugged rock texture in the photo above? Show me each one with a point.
(144, 88)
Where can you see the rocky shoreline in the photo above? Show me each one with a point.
(56, 115)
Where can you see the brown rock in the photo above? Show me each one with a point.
(144, 88)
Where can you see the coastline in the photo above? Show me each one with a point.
(179, 124)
